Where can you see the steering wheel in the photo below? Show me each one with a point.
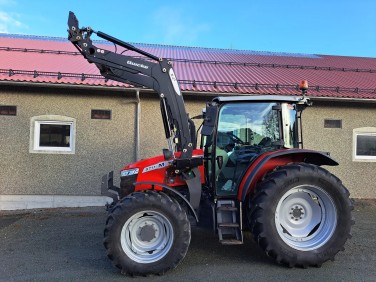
(235, 138)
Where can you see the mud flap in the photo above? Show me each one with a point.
(193, 180)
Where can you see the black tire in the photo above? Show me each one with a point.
(300, 215)
(147, 233)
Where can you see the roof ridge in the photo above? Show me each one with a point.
(200, 61)
(244, 51)
(31, 36)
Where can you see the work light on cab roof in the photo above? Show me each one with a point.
(303, 85)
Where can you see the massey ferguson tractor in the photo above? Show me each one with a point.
(248, 171)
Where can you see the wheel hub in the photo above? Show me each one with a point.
(147, 236)
(305, 217)
(297, 212)
(147, 232)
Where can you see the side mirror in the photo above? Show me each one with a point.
(210, 120)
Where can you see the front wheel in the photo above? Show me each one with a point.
(147, 233)
(301, 215)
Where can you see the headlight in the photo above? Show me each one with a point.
(129, 172)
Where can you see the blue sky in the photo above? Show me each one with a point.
(335, 27)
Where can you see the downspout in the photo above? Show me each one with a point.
(138, 119)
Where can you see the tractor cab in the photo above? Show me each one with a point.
(237, 130)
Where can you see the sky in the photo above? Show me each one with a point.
(332, 27)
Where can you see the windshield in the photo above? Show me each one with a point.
(248, 124)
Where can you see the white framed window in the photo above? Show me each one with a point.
(52, 134)
(364, 144)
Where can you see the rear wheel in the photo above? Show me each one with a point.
(147, 233)
(301, 215)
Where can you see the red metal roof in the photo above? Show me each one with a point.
(55, 60)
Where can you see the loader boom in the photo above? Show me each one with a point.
(148, 71)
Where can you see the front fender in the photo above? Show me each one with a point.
(269, 161)
(167, 190)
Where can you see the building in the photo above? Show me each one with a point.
(45, 84)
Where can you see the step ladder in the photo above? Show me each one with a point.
(229, 222)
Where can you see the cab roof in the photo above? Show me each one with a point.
(262, 98)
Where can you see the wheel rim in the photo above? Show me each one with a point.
(147, 237)
(306, 217)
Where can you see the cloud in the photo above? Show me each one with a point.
(9, 22)
(175, 27)
(7, 2)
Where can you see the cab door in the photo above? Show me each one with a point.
(245, 130)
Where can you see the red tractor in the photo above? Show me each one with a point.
(249, 170)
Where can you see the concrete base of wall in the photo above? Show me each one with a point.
(23, 202)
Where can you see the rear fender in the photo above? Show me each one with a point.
(269, 161)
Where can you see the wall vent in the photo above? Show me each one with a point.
(8, 110)
(332, 123)
(100, 114)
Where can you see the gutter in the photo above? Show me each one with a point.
(63, 85)
(333, 99)
(189, 92)
(313, 98)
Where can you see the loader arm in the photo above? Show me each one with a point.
(151, 72)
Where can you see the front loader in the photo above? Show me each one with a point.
(248, 171)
